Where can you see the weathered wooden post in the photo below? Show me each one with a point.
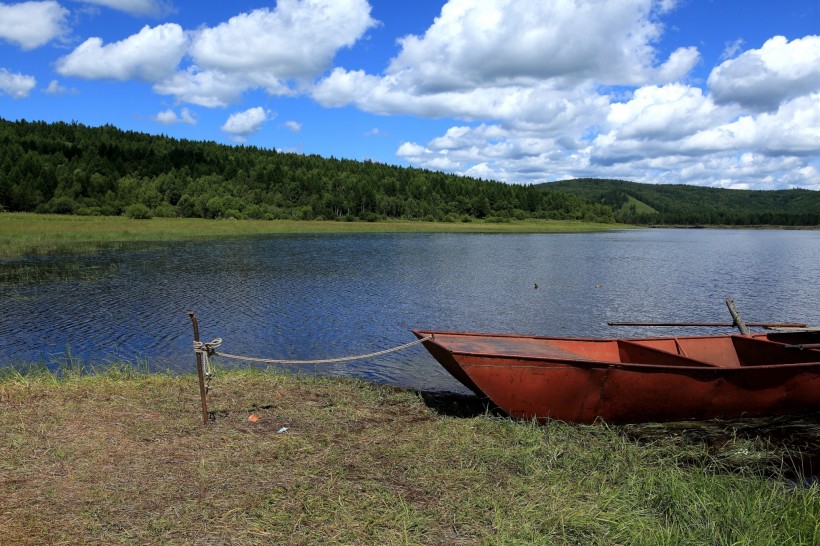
(730, 303)
(203, 393)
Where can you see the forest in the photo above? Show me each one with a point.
(678, 204)
(70, 168)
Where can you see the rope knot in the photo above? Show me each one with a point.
(207, 348)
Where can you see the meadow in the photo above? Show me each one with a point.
(121, 457)
(41, 234)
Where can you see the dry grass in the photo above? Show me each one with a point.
(120, 458)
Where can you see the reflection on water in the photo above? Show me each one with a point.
(326, 296)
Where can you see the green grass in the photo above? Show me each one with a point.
(640, 207)
(33, 234)
(121, 457)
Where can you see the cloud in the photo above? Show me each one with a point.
(32, 24)
(296, 40)
(794, 129)
(665, 113)
(540, 106)
(54, 88)
(275, 50)
(502, 42)
(670, 134)
(492, 151)
(204, 88)
(294, 126)
(495, 53)
(761, 79)
(605, 106)
(169, 117)
(279, 50)
(529, 73)
(152, 54)
(243, 124)
(731, 49)
(135, 7)
(16, 85)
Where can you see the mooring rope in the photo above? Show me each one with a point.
(209, 349)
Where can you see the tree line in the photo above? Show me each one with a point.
(678, 204)
(70, 168)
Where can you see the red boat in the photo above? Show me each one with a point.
(636, 380)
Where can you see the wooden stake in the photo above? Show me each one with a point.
(199, 371)
(730, 303)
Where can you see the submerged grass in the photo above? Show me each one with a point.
(121, 457)
(39, 234)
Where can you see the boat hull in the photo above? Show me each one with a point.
(657, 379)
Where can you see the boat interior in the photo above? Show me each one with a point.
(726, 351)
(730, 351)
(708, 351)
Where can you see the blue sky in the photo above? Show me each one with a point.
(720, 93)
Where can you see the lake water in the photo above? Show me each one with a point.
(327, 296)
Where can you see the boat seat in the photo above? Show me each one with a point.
(762, 352)
(637, 353)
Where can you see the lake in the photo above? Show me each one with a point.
(327, 296)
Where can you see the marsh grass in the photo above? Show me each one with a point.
(26, 234)
(119, 456)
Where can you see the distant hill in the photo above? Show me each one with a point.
(71, 168)
(678, 204)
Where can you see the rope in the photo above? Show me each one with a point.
(206, 350)
(209, 349)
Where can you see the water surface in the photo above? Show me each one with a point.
(326, 296)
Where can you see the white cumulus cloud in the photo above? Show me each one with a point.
(170, 117)
(665, 113)
(16, 85)
(150, 55)
(499, 42)
(274, 49)
(277, 49)
(32, 24)
(493, 53)
(298, 39)
(243, 124)
(760, 79)
(204, 88)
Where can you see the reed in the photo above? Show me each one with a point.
(120, 457)
(38, 234)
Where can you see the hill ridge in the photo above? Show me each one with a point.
(676, 204)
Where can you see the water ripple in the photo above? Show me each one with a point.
(328, 296)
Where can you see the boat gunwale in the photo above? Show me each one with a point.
(606, 364)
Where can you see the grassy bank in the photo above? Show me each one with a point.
(121, 457)
(24, 233)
